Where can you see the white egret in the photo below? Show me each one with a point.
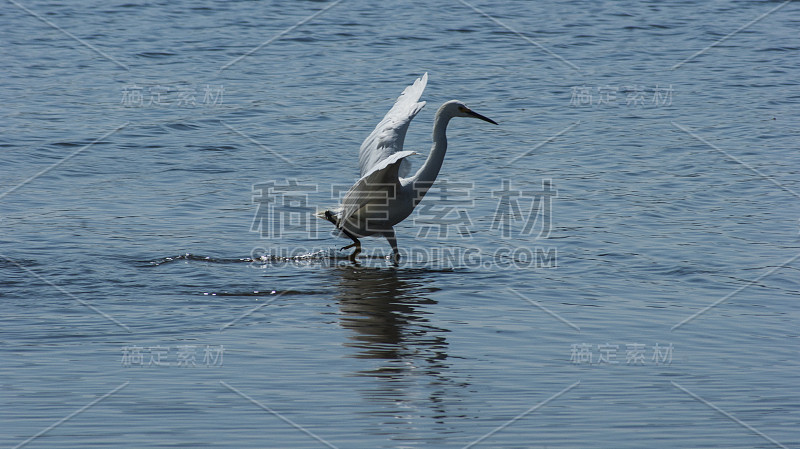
(385, 195)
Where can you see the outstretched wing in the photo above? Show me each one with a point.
(368, 199)
(387, 138)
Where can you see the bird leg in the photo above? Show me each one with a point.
(393, 241)
(356, 252)
(356, 243)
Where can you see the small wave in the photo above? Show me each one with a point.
(182, 126)
(331, 255)
(155, 54)
(195, 257)
(267, 293)
(7, 262)
(266, 259)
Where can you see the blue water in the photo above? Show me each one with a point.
(143, 307)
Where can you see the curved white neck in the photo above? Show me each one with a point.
(426, 175)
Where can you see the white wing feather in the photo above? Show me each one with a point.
(387, 138)
(375, 187)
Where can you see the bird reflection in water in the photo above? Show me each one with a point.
(388, 310)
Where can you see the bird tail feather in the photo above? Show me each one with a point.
(330, 215)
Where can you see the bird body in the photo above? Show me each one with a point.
(385, 195)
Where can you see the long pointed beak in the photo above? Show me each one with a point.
(482, 117)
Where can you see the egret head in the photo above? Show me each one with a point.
(459, 109)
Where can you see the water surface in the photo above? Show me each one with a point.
(143, 305)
